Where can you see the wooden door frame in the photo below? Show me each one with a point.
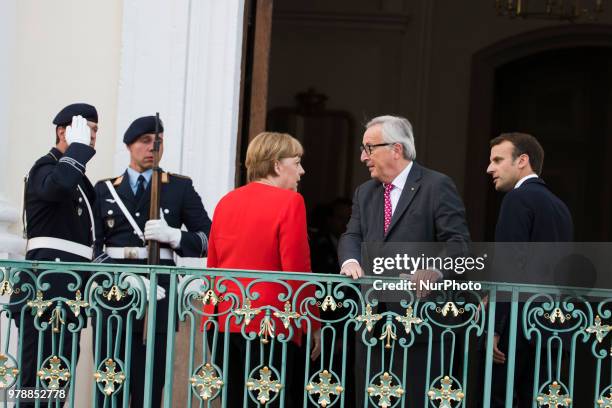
(255, 67)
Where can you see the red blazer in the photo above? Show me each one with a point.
(260, 227)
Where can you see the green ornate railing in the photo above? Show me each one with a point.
(366, 349)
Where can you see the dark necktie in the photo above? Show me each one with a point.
(140, 188)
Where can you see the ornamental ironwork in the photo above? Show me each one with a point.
(264, 385)
(325, 388)
(54, 373)
(206, 382)
(446, 394)
(385, 391)
(109, 377)
(554, 399)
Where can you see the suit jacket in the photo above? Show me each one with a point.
(260, 227)
(429, 210)
(530, 213)
(180, 204)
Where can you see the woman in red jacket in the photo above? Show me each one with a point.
(262, 226)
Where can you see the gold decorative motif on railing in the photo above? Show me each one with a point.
(115, 293)
(388, 334)
(385, 391)
(368, 318)
(54, 373)
(446, 394)
(287, 315)
(449, 307)
(110, 376)
(605, 402)
(409, 319)
(206, 381)
(329, 302)
(553, 399)
(264, 385)
(5, 288)
(210, 297)
(266, 329)
(557, 313)
(247, 311)
(325, 388)
(39, 304)
(77, 304)
(600, 330)
(8, 373)
(56, 320)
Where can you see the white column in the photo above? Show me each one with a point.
(11, 244)
(183, 59)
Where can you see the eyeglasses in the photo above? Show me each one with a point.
(369, 147)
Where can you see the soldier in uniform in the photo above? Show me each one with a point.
(123, 227)
(58, 224)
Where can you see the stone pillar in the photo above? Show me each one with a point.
(187, 67)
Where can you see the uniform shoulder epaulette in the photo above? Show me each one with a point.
(180, 176)
(115, 180)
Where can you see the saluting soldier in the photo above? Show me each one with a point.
(123, 227)
(58, 223)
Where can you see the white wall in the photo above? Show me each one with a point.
(65, 51)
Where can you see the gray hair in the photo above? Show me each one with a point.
(396, 129)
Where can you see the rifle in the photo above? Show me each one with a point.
(153, 246)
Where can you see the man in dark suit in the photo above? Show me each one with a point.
(122, 229)
(403, 202)
(58, 221)
(529, 212)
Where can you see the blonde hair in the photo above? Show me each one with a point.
(266, 149)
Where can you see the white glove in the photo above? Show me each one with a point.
(193, 286)
(135, 281)
(159, 230)
(78, 132)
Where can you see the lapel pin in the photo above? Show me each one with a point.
(79, 211)
(110, 222)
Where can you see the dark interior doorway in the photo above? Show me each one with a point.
(564, 98)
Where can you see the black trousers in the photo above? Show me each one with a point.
(235, 386)
(29, 351)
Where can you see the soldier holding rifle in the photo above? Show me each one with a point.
(127, 220)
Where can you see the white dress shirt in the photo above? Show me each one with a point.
(398, 186)
(521, 181)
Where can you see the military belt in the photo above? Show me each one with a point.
(137, 253)
(60, 245)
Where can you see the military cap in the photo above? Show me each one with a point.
(139, 127)
(64, 117)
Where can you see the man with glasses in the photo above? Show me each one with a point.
(403, 202)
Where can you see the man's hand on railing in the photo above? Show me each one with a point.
(133, 281)
(316, 345)
(193, 285)
(352, 269)
(498, 356)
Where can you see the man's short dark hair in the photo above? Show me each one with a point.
(56, 134)
(523, 144)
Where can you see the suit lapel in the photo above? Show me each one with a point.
(408, 193)
(378, 210)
